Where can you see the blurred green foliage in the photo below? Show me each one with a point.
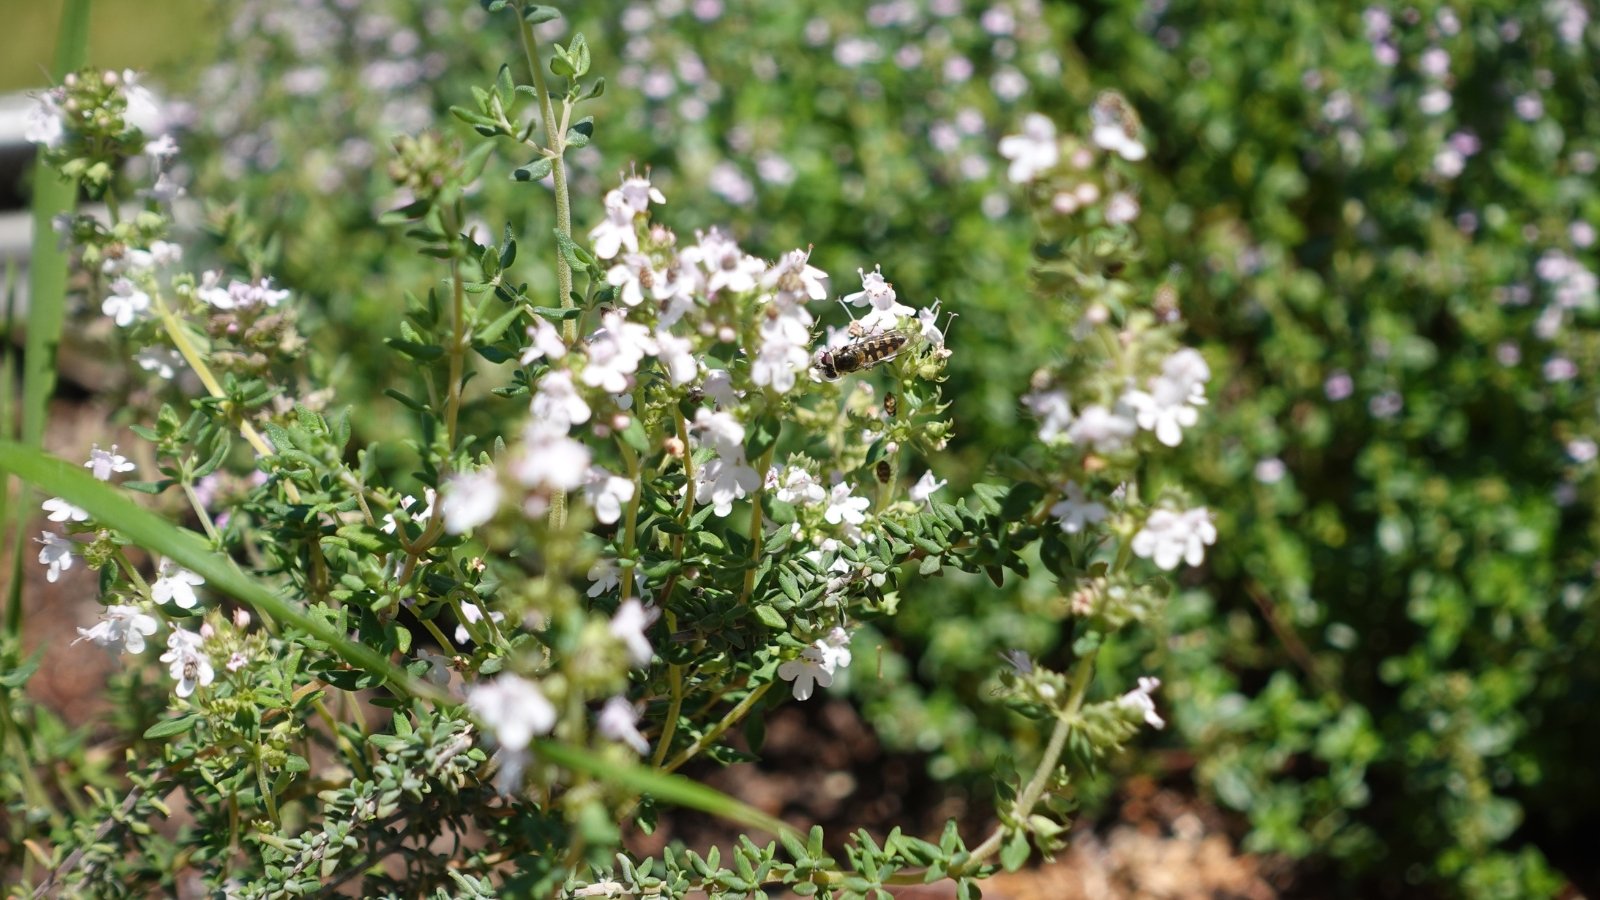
(1375, 222)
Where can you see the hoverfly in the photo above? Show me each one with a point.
(860, 354)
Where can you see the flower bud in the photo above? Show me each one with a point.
(674, 447)
(206, 631)
(241, 618)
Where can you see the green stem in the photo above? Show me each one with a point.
(756, 531)
(557, 149)
(728, 721)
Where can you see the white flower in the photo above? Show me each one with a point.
(726, 266)
(544, 342)
(1075, 510)
(1122, 208)
(1169, 536)
(557, 404)
(619, 721)
(617, 231)
(795, 485)
(469, 500)
(513, 709)
(637, 193)
(56, 553)
(175, 584)
(816, 664)
(125, 625)
(471, 613)
(550, 460)
(607, 493)
(1101, 428)
(238, 294)
(187, 665)
(879, 294)
(62, 511)
(420, 517)
(795, 279)
(44, 125)
(1033, 151)
(126, 302)
(159, 360)
(1169, 406)
(677, 356)
(1140, 701)
(103, 463)
(615, 351)
(1053, 410)
(630, 276)
(629, 624)
(928, 319)
(924, 489)
(725, 432)
(842, 507)
(605, 575)
(1111, 132)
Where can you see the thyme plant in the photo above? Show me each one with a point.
(629, 519)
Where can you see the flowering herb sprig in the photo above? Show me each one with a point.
(645, 503)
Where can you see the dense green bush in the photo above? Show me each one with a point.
(1379, 223)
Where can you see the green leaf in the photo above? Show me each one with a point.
(106, 503)
(771, 618)
(1014, 852)
(538, 15)
(537, 170)
(170, 727)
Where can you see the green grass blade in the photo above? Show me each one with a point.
(47, 266)
(674, 789)
(110, 507)
(8, 424)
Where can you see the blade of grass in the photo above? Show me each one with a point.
(109, 507)
(47, 287)
(674, 789)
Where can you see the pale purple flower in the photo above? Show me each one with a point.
(617, 231)
(615, 351)
(727, 267)
(926, 486)
(879, 294)
(104, 463)
(1033, 151)
(1172, 536)
(556, 404)
(124, 625)
(513, 709)
(619, 721)
(1122, 208)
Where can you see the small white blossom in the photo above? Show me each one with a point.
(124, 625)
(879, 294)
(843, 507)
(1102, 428)
(1033, 151)
(677, 357)
(1075, 510)
(607, 493)
(469, 500)
(1169, 536)
(420, 517)
(126, 302)
(187, 664)
(638, 193)
(513, 709)
(1111, 132)
(544, 342)
(175, 584)
(726, 266)
(1140, 701)
(617, 231)
(549, 460)
(55, 553)
(629, 625)
(722, 429)
(45, 124)
(923, 490)
(615, 351)
(556, 404)
(104, 463)
(163, 362)
(473, 614)
(1122, 208)
(795, 485)
(619, 721)
(61, 511)
(1053, 410)
(816, 664)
